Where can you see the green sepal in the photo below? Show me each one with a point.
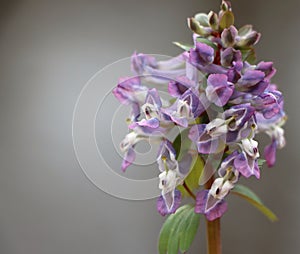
(183, 46)
(254, 200)
(178, 231)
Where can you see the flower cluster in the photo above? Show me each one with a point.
(220, 95)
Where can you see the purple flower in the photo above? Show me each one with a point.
(253, 81)
(278, 142)
(168, 203)
(232, 59)
(209, 137)
(246, 161)
(202, 57)
(140, 61)
(186, 108)
(270, 153)
(268, 103)
(179, 86)
(151, 117)
(218, 89)
(128, 159)
(129, 90)
(267, 68)
(272, 127)
(172, 174)
(127, 146)
(238, 115)
(166, 158)
(211, 202)
(158, 72)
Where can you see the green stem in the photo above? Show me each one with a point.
(213, 230)
(189, 190)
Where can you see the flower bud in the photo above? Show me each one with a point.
(228, 36)
(249, 40)
(195, 26)
(213, 20)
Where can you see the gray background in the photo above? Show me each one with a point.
(49, 49)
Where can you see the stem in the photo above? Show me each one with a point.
(213, 230)
(189, 190)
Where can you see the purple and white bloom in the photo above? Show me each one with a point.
(268, 103)
(278, 142)
(166, 158)
(151, 110)
(151, 121)
(211, 202)
(185, 109)
(169, 180)
(252, 81)
(209, 137)
(267, 68)
(232, 59)
(159, 72)
(272, 127)
(246, 160)
(165, 206)
(129, 90)
(218, 89)
(180, 85)
(214, 212)
(241, 122)
(127, 147)
(202, 57)
(172, 174)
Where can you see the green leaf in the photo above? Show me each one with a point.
(192, 180)
(207, 42)
(261, 162)
(167, 228)
(226, 20)
(189, 229)
(178, 231)
(254, 200)
(183, 46)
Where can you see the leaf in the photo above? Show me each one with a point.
(253, 199)
(261, 162)
(183, 46)
(226, 20)
(192, 180)
(178, 231)
(189, 229)
(166, 229)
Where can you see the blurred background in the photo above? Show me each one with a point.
(49, 49)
